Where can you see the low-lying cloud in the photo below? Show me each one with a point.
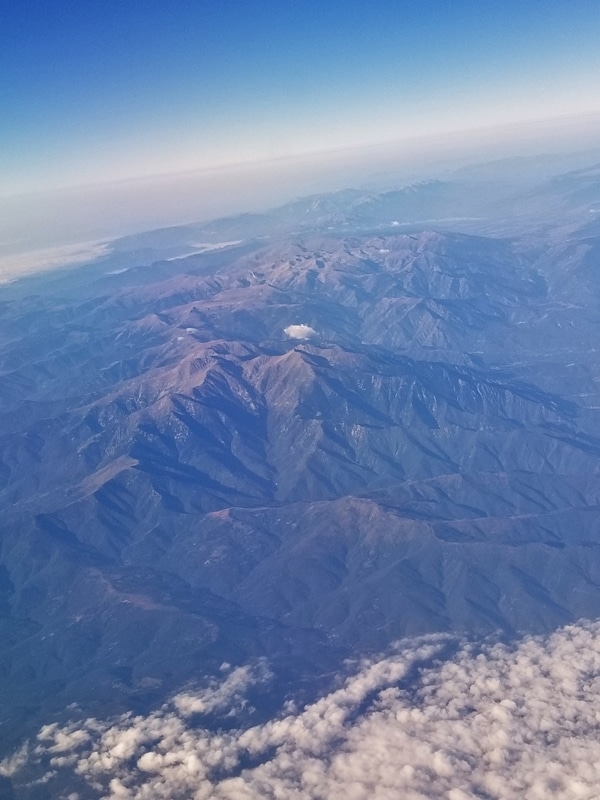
(299, 331)
(17, 266)
(495, 722)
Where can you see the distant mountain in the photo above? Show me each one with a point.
(188, 477)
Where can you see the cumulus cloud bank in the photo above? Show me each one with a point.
(494, 722)
(299, 331)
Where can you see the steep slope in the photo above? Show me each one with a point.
(184, 483)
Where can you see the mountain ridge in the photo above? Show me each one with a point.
(185, 483)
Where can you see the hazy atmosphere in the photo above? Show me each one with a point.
(95, 96)
(300, 400)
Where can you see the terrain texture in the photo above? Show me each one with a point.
(299, 436)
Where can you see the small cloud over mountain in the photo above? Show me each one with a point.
(300, 331)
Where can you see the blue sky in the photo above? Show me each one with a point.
(97, 91)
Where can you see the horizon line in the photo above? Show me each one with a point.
(312, 154)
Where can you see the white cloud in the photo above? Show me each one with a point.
(497, 722)
(15, 762)
(226, 694)
(16, 266)
(299, 331)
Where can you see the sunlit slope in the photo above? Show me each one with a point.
(184, 483)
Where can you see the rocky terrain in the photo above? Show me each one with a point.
(302, 436)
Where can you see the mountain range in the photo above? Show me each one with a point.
(299, 436)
